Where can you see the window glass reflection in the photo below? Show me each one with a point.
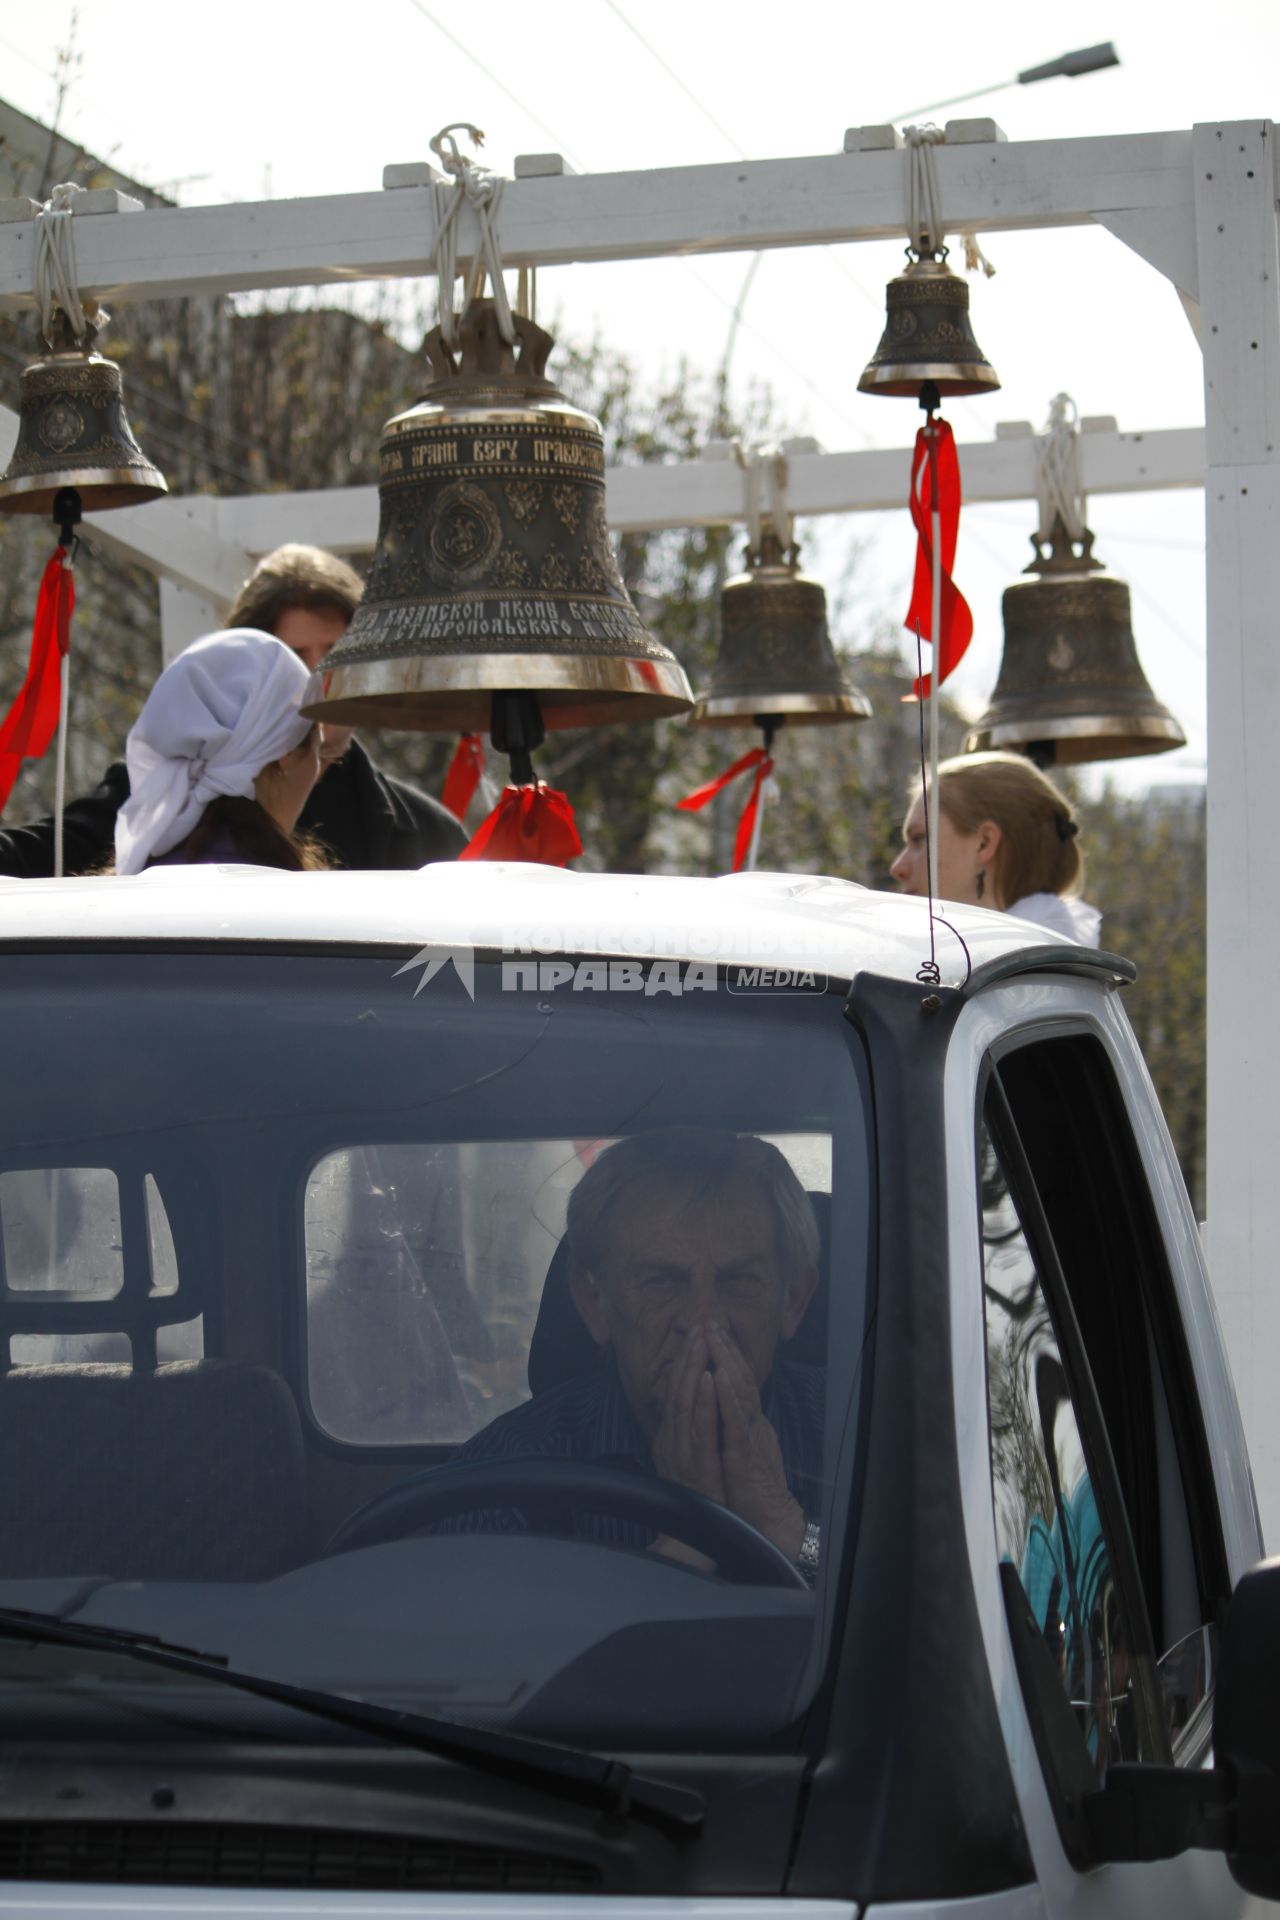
(1046, 1514)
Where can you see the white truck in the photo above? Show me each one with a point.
(530, 1393)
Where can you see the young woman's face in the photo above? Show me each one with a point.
(961, 857)
(282, 788)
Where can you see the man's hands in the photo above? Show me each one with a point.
(714, 1438)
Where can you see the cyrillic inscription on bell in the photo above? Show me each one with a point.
(776, 662)
(494, 569)
(928, 336)
(1071, 687)
(73, 432)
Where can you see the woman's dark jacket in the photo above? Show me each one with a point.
(362, 816)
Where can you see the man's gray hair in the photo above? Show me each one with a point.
(697, 1159)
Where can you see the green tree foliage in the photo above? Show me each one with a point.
(1146, 871)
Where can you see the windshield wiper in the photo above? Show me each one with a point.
(575, 1773)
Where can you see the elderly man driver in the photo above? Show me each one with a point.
(693, 1256)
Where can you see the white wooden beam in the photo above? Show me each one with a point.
(184, 617)
(1235, 173)
(205, 545)
(175, 540)
(341, 519)
(742, 206)
(704, 493)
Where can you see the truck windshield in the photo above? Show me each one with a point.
(487, 1344)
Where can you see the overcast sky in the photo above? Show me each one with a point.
(245, 101)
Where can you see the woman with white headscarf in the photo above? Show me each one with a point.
(220, 759)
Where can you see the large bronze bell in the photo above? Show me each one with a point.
(1070, 686)
(776, 662)
(73, 432)
(928, 336)
(494, 571)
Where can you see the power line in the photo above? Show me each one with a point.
(833, 257)
(493, 78)
(553, 136)
(671, 74)
(1192, 647)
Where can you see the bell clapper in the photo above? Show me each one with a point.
(67, 515)
(516, 728)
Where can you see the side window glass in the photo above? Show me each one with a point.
(60, 1231)
(1078, 1180)
(164, 1260)
(1046, 1510)
(63, 1246)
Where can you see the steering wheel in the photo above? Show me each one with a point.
(545, 1489)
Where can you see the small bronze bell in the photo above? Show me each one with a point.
(928, 336)
(494, 572)
(73, 432)
(776, 662)
(1070, 686)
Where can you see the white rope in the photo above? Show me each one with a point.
(924, 204)
(1058, 469)
(57, 284)
(767, 477)
(975, 260)
(482, 192)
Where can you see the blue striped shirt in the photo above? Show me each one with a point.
(589, 1418)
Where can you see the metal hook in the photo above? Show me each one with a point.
(455, 160)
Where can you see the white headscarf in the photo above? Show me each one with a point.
(218, 714)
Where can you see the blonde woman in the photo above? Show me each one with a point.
(1007, 838)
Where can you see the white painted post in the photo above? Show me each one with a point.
(1239, 275)
(185, 617)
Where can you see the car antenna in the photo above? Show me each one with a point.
(929, 973)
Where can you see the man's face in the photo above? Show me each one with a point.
(679, 1258)
(313, 633)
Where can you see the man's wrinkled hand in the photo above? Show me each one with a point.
(754, 1478)
(686, 1447)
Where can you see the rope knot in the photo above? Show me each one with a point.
(767, 509)
(1058, 470)
(925, 232)
(57, 287)
(482, 191)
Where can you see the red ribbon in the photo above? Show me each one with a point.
(528, 823)
(759, 759)
(463, 777)
(32, 720)
(935, 482)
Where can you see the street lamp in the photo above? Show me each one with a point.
(1067, 66)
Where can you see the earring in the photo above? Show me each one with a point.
(980, 885)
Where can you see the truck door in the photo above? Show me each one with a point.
(1105, 1519)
